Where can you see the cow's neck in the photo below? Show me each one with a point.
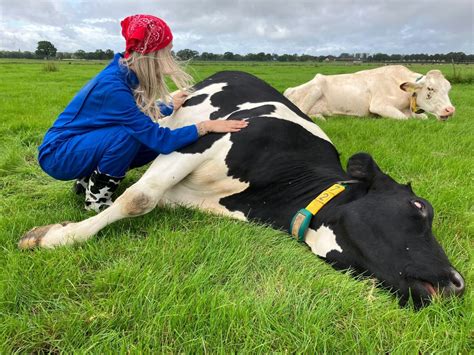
(328, 214)
(321, 235)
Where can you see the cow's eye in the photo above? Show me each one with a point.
(420, 206)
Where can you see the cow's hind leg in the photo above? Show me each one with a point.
(140, 198)
(310, 99)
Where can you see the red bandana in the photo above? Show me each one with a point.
(145, 34)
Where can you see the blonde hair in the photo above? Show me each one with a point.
(151, 70)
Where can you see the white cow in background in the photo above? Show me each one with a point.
(391, 91)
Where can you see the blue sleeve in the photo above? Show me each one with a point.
(166, 110)
(120, 107)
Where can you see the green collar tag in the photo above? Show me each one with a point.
(300, 224)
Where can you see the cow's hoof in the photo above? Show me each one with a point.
(33, 238)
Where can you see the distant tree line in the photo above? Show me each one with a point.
(458, 57)
(46, 50)
(80, 54)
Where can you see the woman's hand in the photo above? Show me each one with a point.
(179, 98)
(221, 126)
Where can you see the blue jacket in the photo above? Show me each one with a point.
(107, 100)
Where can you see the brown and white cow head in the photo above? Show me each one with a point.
(432, 94)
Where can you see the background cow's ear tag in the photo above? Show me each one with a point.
(300, 224)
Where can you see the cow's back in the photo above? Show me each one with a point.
(280, 150)
(241, 88)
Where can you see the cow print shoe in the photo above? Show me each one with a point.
(99, 191)
(80, 186)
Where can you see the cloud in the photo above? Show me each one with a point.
(243, 26)
(99, 20)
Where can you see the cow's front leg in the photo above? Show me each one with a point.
(420, 116)
(140, 198)
(319, 117)
(385, 110)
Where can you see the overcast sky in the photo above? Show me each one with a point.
(318, 27)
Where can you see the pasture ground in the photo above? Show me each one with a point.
(179, 280)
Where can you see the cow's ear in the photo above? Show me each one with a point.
(411, 87)
(434, 72)
(362, 166)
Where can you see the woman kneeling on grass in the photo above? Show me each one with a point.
(110, 125)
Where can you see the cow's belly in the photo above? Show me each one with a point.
(347, 100)
(204, 188)
(207, 184)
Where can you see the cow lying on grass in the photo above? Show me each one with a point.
(271, 170)
(391, 91)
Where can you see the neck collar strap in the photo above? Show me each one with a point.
(413, 106)
(300, 222)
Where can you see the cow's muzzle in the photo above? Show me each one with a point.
(446, 113)
(455, 287)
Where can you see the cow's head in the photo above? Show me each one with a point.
(386, 232)
(432, 94)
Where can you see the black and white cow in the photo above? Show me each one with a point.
(270, 170)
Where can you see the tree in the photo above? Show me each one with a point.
(380, 57)
(45, 49)
(396, 57)
(109, 54)
(208, 56)
(186, 54)
(80, 54)
(307, 58)
(456, 56)
(228, 56)
(288, 58)
(98, 54)
(345, 56)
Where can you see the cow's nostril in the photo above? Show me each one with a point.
(457, 283)
(449, 110)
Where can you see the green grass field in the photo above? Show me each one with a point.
(179, 280)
